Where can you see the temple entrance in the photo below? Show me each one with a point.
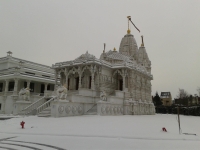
(73, 81)
(77, 82)
(90, 81)
(86, 79)
(120, 85)
(119, 81)
(68, 84)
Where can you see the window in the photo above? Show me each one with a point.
(11, 86)
(30, 73)
(46, 76)
(25, 84)
(31, 86)
(42, 88)
(1, 87)
(48, 87)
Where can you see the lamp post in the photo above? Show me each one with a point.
(178, 120)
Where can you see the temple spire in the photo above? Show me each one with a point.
(142, 45)
(104, 47)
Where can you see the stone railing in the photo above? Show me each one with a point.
(36, 94)
(48, 93)
(9, 93)
(45, 105)
(30, 108)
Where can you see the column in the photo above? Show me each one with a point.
(124, 82)
(15, 87)
(79, 84)
(66, 82)
(56, 76)
(45, 84)
(99, 79)
(6, 86)
(92, 82)
(4, 104)
(28, 84)
(4, 97)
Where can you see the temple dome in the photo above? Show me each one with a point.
(128, 46)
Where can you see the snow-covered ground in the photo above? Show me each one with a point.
(101, 132)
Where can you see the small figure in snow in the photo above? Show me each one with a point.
(22, 124)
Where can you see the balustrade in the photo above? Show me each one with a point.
(33, 106)
(45, 105)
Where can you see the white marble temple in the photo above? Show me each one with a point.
(119, 83)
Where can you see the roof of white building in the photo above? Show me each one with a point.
(117, 56)
(12, 67)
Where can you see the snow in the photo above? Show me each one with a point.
(103, 132)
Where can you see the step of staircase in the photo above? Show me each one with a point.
(45, 113)
(91, 113)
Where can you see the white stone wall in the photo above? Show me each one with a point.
(63, 108)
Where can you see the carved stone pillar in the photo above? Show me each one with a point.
(56, 77)
(79, 84)
(124, 82)
(92, 82)
(16, 87)
(66, 80)
(98, 82)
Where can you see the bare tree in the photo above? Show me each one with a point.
(182, 93)
(198, 90)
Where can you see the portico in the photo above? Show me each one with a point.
(16, 74)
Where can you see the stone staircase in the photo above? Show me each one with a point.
(45, 109)
(45, 113)
(92, 110)
(31, 109)
(109, 88)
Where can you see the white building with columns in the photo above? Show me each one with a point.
(16, 74)
(118, 83)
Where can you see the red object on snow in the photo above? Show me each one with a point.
(22, 124)
(164, 129)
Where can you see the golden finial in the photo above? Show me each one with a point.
(128, 31)
(114, 49)
(142, 41)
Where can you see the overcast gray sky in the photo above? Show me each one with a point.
(50, 31)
